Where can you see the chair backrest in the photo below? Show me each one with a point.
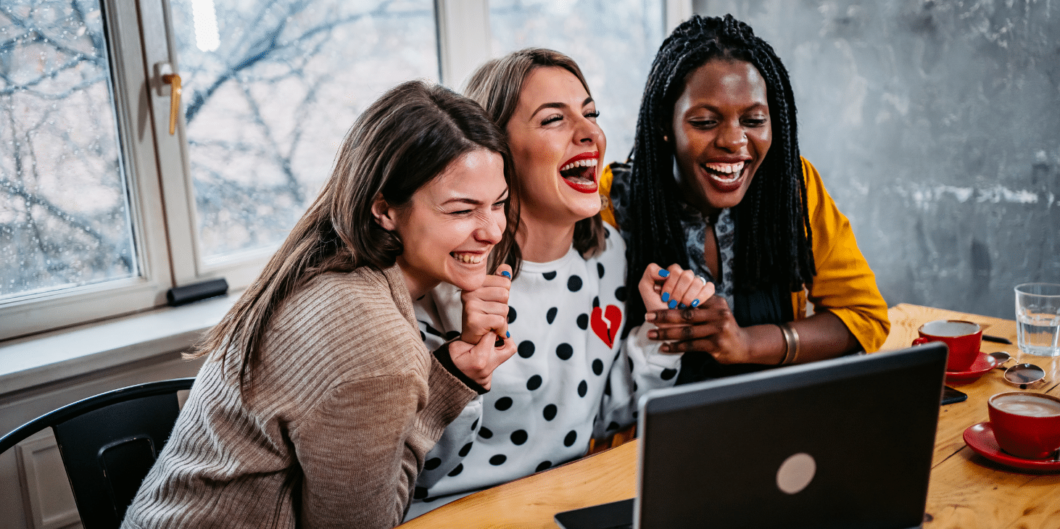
(108, 443)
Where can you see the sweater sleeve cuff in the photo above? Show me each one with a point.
(444, 358)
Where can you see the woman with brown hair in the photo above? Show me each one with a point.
(577, 374)
(318, 401)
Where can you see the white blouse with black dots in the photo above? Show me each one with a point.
(573, 375)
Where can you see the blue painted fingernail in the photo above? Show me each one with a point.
(682, 306)
(673, 303)
(507, 334)
(506, 274)
(666, 296)
(695, 303)
(664, 273)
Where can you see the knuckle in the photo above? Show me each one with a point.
(687, 332)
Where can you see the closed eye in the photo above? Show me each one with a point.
(552, 119)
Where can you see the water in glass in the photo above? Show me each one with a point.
(1038, 319)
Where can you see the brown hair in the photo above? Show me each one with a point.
(400, 143)
(497, 85)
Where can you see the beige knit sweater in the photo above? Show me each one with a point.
(338, 415)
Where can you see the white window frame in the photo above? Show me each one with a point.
(156, 165)
(65, 307)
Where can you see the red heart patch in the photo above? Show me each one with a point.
(605, 323)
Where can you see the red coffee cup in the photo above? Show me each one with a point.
(962, 337)
(1026, 425)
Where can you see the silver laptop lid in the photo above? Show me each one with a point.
(838, 443)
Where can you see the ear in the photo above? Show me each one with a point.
(384, 214)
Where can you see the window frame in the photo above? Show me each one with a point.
(65, 307)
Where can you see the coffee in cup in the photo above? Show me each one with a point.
(962, 337)
(1026, 425)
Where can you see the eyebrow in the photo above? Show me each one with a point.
(473, 202)
(754, 106)
(558, 105)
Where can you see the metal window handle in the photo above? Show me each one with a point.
(174, 100)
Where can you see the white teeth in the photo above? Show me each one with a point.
(725, 180)
(725, 167)
(468, 258)
(591, 162)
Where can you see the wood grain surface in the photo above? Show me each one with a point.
(967, 491)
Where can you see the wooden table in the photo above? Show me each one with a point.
(966, 490)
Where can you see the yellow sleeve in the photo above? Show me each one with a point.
(607, 211)
(844, 284)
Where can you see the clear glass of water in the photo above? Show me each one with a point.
(1038, 318)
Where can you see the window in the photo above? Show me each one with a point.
(102, 209)
(65, 217)
(270, 88)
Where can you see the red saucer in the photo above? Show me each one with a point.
(983, 363)
(980, 438)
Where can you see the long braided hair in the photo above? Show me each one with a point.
(773, 235)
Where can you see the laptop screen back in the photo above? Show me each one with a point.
(840, 443)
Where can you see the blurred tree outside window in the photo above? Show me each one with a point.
(270, 89)
(64, 200)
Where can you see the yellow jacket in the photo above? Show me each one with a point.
(844, 284)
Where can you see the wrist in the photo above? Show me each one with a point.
(791, 343)
(445, 358)
(767, 344)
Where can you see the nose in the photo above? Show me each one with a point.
(731, 137)
(588, 132)
(491, 227)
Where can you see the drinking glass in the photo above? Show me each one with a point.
(1038, 318)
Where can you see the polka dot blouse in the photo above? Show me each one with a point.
(574, 375)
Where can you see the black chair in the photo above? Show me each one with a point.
(108, 443)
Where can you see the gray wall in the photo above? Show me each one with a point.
(936, 127)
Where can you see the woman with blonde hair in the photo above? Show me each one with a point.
(577, 374)
(318, 402)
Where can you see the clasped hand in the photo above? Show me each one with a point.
(484, 343)
(706, 326)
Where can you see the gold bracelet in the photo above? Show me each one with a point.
(791, 343)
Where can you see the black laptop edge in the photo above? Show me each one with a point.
(670, 399)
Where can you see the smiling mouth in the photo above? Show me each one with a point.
(580, 174)
(468, 258)
(725, 173)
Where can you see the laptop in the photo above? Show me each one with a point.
(844, 443)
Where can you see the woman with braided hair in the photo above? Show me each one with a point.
(716, 184)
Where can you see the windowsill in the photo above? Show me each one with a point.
(43, 359)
